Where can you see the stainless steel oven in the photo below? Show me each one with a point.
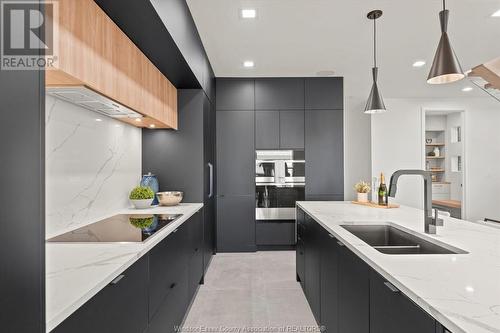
(279, 183)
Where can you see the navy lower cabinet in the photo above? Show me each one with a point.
(312, 265)
(354, 293)
(329, 279)
(300, 249)
(153, 294)
(122, 306)
(195, 252)
(345, 294)
(392, 312)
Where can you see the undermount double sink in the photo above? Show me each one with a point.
(388, 239)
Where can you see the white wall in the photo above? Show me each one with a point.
(397, 143)
(90, 166)
(357, 150)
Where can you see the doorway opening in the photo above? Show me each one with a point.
(444, 156)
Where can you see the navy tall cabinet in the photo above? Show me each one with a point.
(184, 159)
(274, 113)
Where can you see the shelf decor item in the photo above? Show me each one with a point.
(151, 181)
(141, 197)
(428, 141)
(436, 151)
(362, 189)
(170, 198)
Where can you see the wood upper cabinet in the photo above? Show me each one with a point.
(93, 51)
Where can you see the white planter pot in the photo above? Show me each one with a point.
(362, 197)
(142, 203)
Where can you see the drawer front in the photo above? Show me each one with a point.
(167, 259)
(275, 233)
(122, 306)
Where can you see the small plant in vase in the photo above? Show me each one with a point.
(362, 188)
(142, 197)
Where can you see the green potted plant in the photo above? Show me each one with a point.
(362, 188)
(142, 197)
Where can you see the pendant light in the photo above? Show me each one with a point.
(375, 103)
(445, 67)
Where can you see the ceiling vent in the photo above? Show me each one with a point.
(93, 101)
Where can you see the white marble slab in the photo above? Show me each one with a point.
(92, 163)
(461, 291)
(76, 272)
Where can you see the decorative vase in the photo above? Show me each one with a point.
(436, 151)
(362, 197)
(151, 181)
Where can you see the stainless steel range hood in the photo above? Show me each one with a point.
(92, 100)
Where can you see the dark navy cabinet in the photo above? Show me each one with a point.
(291, 134)
(274, 113)
(267, 130)
(279, 93)
(354, 293)
(324, 93)
(347, 294)
(312, 265)
(235, 94)
(329, 279)
(153, 294)
(122, 306)
(300, 248)
(324, 149)
(392, 312)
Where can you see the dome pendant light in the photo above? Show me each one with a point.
(375, 103)
(445, 67)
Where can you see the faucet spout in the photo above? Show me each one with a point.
(429, 220)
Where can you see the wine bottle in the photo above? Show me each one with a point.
(382, 191)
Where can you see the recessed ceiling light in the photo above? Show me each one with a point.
(419, 63)
(467, 89)
(152, 126)
(496, 14)
(98, 119)
(248, 64)
(248, 13)
(469, 289)
(138, 119)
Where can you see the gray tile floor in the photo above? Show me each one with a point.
(252, 292)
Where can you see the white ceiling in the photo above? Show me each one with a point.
(303, 37)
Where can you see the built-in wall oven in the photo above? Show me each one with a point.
(279, 183)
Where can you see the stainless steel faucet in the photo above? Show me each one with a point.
(430, 220)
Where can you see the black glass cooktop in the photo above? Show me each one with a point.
(134, 228)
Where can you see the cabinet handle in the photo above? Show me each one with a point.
(117, 279)
(172, 286)
(211, 167)
(340, 243)
(331, 236)
(175, 230)
(391, 287)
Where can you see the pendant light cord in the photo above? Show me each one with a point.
(444, 5)
(375, 43)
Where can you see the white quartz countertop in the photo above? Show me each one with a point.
(461, 291)
(77, 272)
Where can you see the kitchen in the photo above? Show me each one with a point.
(265, 143)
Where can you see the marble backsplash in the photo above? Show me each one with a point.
(92, 163)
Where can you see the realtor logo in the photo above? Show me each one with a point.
(27, 34)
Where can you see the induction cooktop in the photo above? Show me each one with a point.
(130, 228)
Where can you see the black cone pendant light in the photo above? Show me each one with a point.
(375, 103)
(445, 67)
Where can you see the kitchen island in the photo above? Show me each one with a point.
(77, 272)
(460, 291)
